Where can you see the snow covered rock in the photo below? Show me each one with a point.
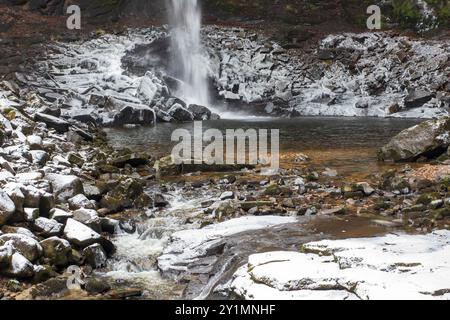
(48, 227)
(60, 215)
(64, 187)
(59, 125)
(389, 267)
(20, 267)
(80, 201)
(27, 246)
(7, 207)
(188, 245)
(79, 234)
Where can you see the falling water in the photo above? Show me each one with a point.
(188, 63)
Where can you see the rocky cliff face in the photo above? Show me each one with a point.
(414, 14)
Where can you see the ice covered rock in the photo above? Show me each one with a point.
(389, 267)
(79, 234)
(151, 88)
(429, 139)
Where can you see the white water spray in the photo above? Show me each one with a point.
(188, 63)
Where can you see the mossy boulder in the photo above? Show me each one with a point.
(429, 140)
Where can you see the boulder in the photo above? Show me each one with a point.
(48, 227)
(200, 112)
(89, 218)
(80, 201)
(57, 251)
(27, 246)
(64, 187)
(6, 253)
(7, 207)
(141, 115)
(61, 126)
(39, 157)
(30, 214)
(95, 256)
(180, 114)
(20, 267)
(79, 234)
(35, 142)
(60, 215)
(417, 98)
(15, 194)
(429, 139)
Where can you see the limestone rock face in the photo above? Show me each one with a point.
(429, 139)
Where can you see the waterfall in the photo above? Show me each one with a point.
(187, 61)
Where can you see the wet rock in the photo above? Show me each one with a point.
(57, 251)
(7, 207)
(97, 285)
(109, 225)
(180, 114)
(367, 189)
(200, 113)
(48, 227)
(159, 201)
(79, 234)
(95, 256)
(333, 211)
(27, 246)
(64, 187)
(59, 125)
(141, 115)
(429, 139)
(276, 190)
(227, 195)
(133, 159)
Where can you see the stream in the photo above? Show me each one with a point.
(348, 145)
